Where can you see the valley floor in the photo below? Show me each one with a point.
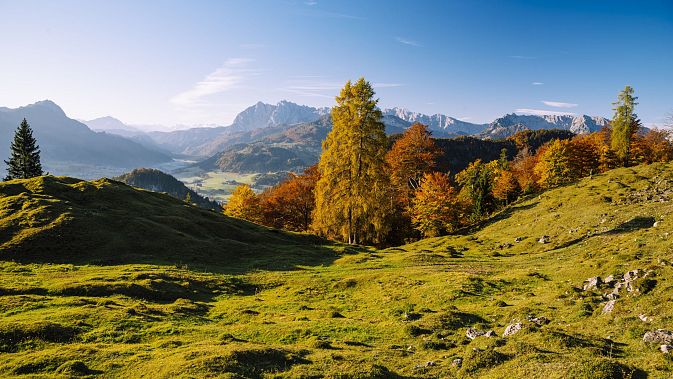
(363, 313)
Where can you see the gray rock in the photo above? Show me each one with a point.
(544, 239)
(609, 280)
(592, 283)
(618, 287)
(609, 306)
(644, 318)
(490, 333)
(512, 329)
(632, 275)
(457, 362)
(518, 239)
(660, 336)
(612, 296)
(666, 349)
(473, 333)
(539, 321)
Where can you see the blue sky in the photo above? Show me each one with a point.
(191, 62)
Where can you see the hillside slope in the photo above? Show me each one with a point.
(404, 312)
(60, 219)
(158, 181)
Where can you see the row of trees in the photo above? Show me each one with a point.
(364, 192)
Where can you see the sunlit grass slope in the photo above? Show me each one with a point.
(102, 285)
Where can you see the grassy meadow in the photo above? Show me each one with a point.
(98, 279)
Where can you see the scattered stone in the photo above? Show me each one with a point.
(490, 334)
(539, 321)
(632, 275)
(457, 362)
(430, 363)
(666, 349)
(512, 329)
(592, 283)
(644, 318)
(611, 296)
(609, 280)
(518, 239)
(544, 239)
(473, 333)
(660, 336)
(656, 223)
(609, 306)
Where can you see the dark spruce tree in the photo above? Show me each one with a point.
(24, 161)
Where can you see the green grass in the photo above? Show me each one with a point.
(215, 185)
(171, 290)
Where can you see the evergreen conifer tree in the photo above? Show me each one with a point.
(24, 161)
(625, 125)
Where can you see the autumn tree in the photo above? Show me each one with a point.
(435, 208)
(353, 199)
(243, 203)
(506, 187)
(411, 156)
(24, 161)
(585, 151)
(476, 183)
(625, 124)
(653, 146)
(554, 164)
(290, 204)
(523, 169)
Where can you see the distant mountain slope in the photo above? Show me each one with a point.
(60, 219)
(260, 120)
(439, 124)
(510, 124)
(281, 148)
(112, 125)
(66, 141)
(250, 125)
(158, 181)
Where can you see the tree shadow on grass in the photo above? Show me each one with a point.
(503, 215)
(634, 224)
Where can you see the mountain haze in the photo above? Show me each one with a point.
(64, 141)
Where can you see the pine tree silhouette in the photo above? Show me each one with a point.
(24, 161)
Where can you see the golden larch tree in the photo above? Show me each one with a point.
(353, 201)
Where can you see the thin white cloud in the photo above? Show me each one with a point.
(229, 76)
(311, 2)
(558, 104)
(542, 112)
(537, 83)
(407, 41)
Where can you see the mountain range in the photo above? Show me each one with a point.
(66, 143)
(261, 120)
(262, 138)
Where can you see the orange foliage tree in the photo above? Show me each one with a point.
(289, 205)
(411, 156)
(435, 209)
(523, 169)
(654, 146)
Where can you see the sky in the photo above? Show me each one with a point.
(201, 62)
